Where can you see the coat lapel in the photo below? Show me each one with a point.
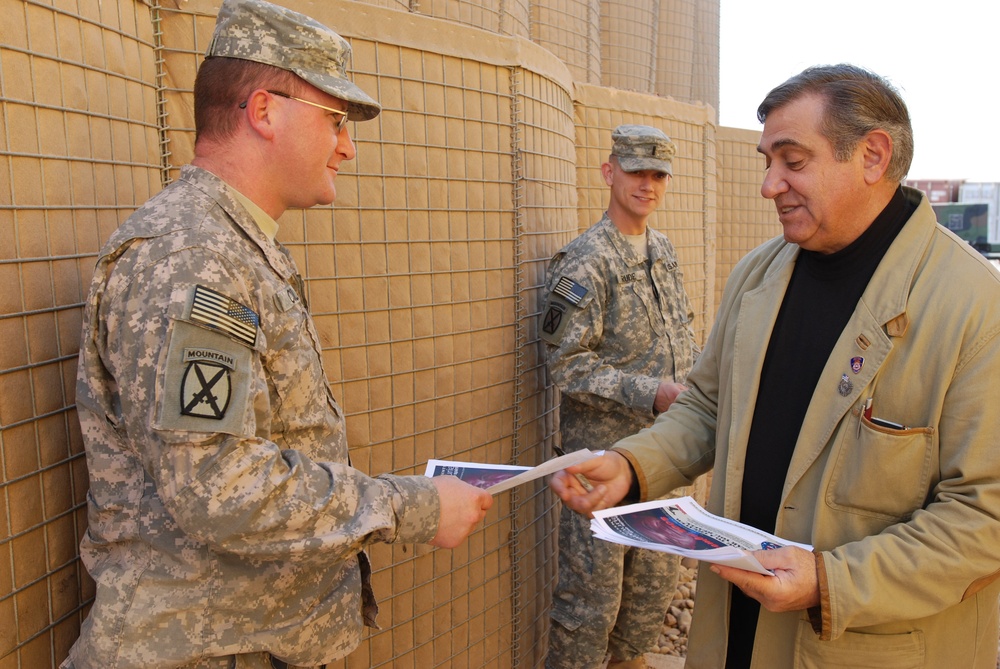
(879, 318)
(839, 389)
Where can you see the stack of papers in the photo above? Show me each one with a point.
(682, 527)
(497, 478)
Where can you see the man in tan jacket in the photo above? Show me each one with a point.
(845, 399)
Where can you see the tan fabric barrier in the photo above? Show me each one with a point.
(424, 277)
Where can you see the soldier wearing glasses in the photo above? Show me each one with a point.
(226, 525)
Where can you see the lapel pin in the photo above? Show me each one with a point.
(857, 362)
(845, 386)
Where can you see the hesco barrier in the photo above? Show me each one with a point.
(687, 51)
(746, 219)
(424, 279)
(570, 29)
(629, 31)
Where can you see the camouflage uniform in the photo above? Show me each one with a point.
(224, 515)
(616, 327)
(226, 525)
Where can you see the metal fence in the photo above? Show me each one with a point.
(424, 279)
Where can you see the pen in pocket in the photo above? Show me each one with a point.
(866, 412)
(881, 422)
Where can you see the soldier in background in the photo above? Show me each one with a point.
(617, 327)
(226, 525)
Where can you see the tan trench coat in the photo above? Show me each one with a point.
(907, 523)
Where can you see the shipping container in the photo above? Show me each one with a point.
(979, 190)
(988, 193)
(968, 220)
(937, 190)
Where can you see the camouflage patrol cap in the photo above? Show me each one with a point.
(642, 147)
(265, 33)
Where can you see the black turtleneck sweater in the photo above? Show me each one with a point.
(821, 296)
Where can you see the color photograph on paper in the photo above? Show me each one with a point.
(658, 526)
(479, 475)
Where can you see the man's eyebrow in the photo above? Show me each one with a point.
(781, 143)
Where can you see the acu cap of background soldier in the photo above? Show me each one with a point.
(643, 147)
(265, 33)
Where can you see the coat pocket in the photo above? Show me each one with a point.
(874, 460)
(853, 650)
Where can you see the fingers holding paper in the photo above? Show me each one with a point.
(794, 585)
(609, 476)
(463, 507)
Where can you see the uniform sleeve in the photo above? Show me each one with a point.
(572, 352)
(196, 410)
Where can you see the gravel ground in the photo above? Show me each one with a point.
(673, 639)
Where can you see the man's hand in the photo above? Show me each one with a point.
(666, 394)
(793, 587)
(610, 474)
(463, 506)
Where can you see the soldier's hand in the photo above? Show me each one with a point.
(666, 394)
(609, 474)
(463, 506)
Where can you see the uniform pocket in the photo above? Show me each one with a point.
(633, 303)
(853, 650)
(874, 458)
(563, 614)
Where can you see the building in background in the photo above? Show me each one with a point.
(937, 190)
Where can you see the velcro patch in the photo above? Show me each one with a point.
(206, 386)
(630, 277)
(570, 290)
(204, 381)
(227, 315)
(553, 319)
(286, 299)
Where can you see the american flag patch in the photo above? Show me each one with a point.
(218, 311)
(570, 290)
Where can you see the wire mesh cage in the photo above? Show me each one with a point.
(425, 277)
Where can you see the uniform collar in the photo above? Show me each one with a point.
(226, 197)
(625, 249)
(263, 220)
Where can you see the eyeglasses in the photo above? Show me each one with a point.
(341, 122)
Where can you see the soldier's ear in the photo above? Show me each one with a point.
(259, 112)
(608, 173)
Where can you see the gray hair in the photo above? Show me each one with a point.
(857, 102)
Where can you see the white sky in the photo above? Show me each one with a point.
(943, 56)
